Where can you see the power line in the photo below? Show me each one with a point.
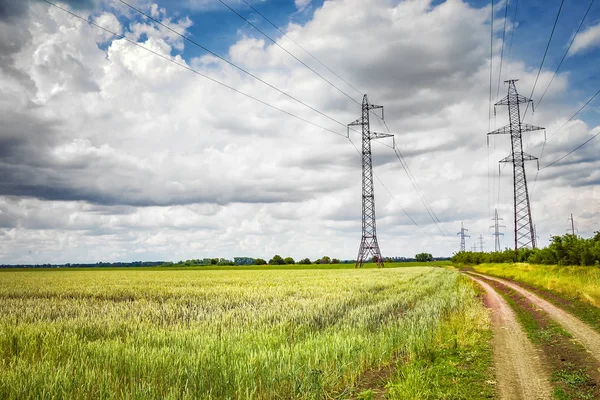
(242, 93)
(572, 151)
(544, 57)
(303, 49)
(222, 84)
(578, 111)
(412, 179)
(566, 52)
(575, 149)
(512, 35)
(284, 49)
(490, 102)
(385, 187)
(502, 51)
(231, 63)
(193, 70)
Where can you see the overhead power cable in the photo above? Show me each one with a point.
(284, 49)
(413, 181)
(578, 111)
(572, 151)
(301, 47)
(543, 58)
(502, 51)
(231, 63)
(116, 35)
(512, 35)
(385, 187)
(569, 120)
(192, 69)
(566, 52)
(490, 104)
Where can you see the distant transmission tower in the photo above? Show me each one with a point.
(481, 242)
(497, 232)
(369, 247)
(524, 235)
(462, 237)
(572, 229)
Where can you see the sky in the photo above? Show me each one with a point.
(124, 147)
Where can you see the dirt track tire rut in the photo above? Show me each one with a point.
(583, 333)
(520, 374)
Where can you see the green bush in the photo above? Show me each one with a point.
(563, 250)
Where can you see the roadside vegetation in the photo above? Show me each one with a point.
(180, 334)
(563, 250)
(572, 288)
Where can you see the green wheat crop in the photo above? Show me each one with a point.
(214, 334)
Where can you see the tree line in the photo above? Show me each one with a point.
(563, 250)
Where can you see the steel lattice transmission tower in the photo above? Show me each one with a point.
(497, 232)
(369, 247)
(462, 237)
(524, 234)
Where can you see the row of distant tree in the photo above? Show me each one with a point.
(275, 260)
(279, 260)
(88, 265)
(563, 250)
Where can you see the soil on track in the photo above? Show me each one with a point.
(584, 334)
(520, 374)
(575, 373)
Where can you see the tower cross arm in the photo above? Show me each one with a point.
(525, 157)
(357, 122)
(529, 128)
(377, 135)
(513, 99)
(505, 130)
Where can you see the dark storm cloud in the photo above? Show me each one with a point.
(11, 10)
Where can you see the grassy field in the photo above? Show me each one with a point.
(570, 281)
(236, 334)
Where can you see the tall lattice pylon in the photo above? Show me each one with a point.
(524, 235)
(369, 247)
(462, 237)
(497, 232)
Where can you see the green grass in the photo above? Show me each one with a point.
(578, 286)
(218, 334)
(457, 366)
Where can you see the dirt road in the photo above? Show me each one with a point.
(588, 337)
(519, 371)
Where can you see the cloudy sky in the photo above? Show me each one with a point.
(110, 152)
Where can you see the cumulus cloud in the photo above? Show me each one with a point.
(586, 40)
(301, 4)
(109, 152)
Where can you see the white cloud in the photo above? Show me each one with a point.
(301, 4)
(118, 154)
(586, 40)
